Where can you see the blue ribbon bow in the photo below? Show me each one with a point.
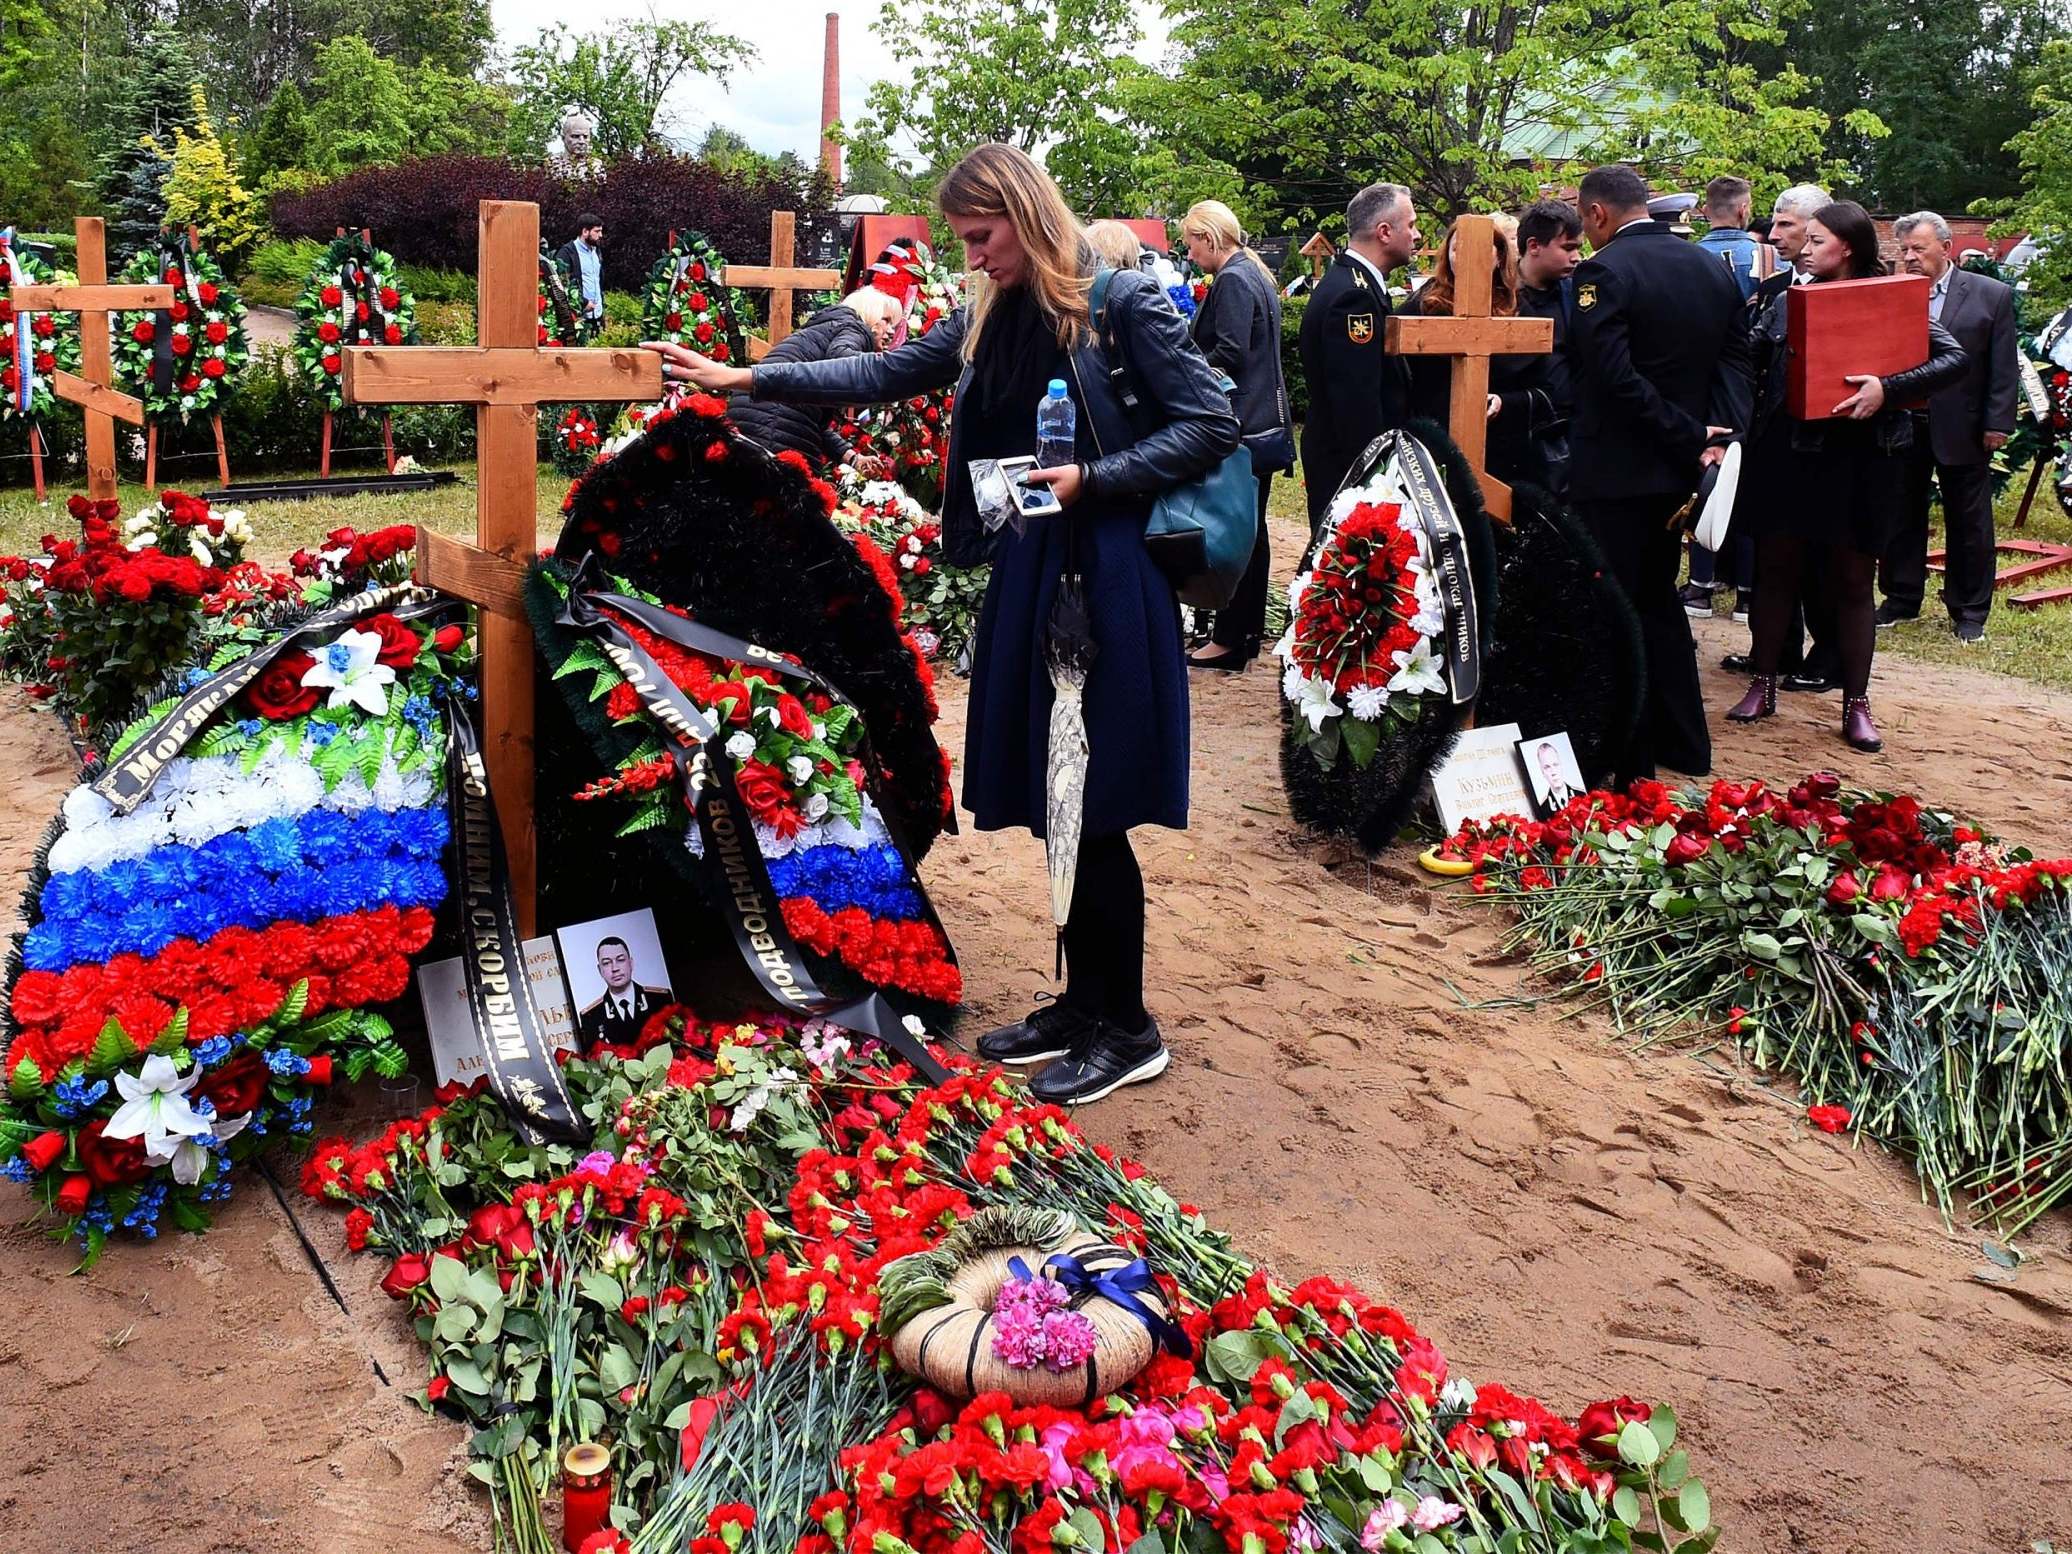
(1121, 1286)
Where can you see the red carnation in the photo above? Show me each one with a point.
(179, 312)
(673, 321)
(389, 297)
(393, 334)
(279, 693)
(1828, 1119)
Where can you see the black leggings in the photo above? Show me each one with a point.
(1104, 937)
(1847, 575)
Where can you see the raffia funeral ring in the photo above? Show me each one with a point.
(1023, 1301)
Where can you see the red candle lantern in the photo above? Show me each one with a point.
(586, 1493)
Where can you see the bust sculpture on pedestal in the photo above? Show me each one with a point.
(576, 158)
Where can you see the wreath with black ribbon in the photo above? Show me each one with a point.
(32, 346)
(185, 360)
(685, 303)
(354, 296)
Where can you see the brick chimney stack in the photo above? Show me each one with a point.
(831, 100)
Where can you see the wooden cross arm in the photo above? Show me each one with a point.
(496, 375)
(96, 299)
(763, 277)
(93, 396)
(1441, 336)
(486, 578)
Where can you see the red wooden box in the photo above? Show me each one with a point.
(1837, 329)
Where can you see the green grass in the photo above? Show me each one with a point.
(285, 527)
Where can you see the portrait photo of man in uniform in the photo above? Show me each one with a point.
(616, 975)
(1552, 772)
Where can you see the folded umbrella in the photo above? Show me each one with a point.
(1069, 650)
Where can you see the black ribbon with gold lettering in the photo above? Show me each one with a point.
(515, 1047)
(732, 860)
(1425, 485)
(130, 777)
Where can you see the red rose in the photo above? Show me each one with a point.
(207, 292)
(144, 331)
(319, 1069)
(179, 312)
(45, 361)
(1598, 1429)
(279, 693)
(189, 383)
(361, 311)
(697, 270)
(110, 1162)
(673, 321)
(447, 638)
(399, 644)
(331, 296)
(697, 302)
(1844, 890)
(216, 333)
(409, 1271)
(719, 351)
(182, 344)
(791, 716)
(72, 1196)
(703, 333)
(213, 367)
(389, 298)
(327, 332)
(393, 334)
(44, 1148)
(1685, 848)
(1890, 885)
(334, 365)
(235, 1088)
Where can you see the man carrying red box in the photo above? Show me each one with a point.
(1955, 438)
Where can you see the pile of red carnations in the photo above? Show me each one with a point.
(696, 1287)
(1905, 967)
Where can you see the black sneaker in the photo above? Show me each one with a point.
(1047, 1033)
(1744, 601)
(1105, 1060)
(1890, 614)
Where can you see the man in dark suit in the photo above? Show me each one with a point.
(1357, 390)
(1955, 438)
(1661, 362)
(626, 1005)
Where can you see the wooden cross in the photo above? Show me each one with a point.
(1319, 251)
(93, 299)
(780, 279)
(1471, 336)
(507, 377)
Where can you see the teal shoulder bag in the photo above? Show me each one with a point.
(1201, 532)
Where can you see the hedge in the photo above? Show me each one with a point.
(424, 212)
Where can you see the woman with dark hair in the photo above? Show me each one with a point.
(1521, 401)
(1028, 324)
(1238, 328)
(1830, 487)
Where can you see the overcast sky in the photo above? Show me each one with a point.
(775, 103)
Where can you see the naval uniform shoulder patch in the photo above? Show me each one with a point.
(1586, 295)
(1359, 328)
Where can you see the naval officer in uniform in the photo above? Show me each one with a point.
(1357, 390)
(1661, 359)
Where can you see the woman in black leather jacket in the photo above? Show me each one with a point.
(1828, 485)
(861, 323)
(1029, 324)
(1238, 328)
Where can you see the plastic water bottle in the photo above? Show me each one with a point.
(1056, 425)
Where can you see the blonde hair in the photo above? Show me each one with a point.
(1005, 182)
(1436, 295)
(1217, 225)
(874, 306)
(1114, 244)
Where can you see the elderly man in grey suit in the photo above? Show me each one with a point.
(1955, 437)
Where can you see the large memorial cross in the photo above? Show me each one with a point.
(1471, 335)
(780, 278)
(506, 377)
(93, 299)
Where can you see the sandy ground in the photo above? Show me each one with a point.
(1560, 1213)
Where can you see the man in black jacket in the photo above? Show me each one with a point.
(1357, 390)
(1955, 438)
(1550, 245)
(1661, 360)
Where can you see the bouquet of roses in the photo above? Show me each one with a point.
(33, 346)
(183, 361)
(349, 562)
(685, 302)
(354, 296)
(1363, 622)
(911, 437)
(95, 623)
(196, 969)
(1900, 964)
(940, 601)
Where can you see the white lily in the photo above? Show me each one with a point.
(1418, 673)
(155, 1108)
(1316, 703)
(347, 669)
(191, 1156)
